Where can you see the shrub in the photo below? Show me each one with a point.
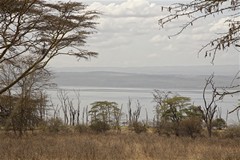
(100, 126)
(139, 127)
(191, 126)
(232, 132)
(81, 128)
(219, 123)
(54, 125)
(165, 128)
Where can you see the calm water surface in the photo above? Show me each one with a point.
(144, 96)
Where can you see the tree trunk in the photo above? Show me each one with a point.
(209, 129)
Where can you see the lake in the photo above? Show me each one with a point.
(120, 85)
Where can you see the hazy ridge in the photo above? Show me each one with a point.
(145, 77)
(163, 70)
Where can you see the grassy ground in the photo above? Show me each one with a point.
(114, 146)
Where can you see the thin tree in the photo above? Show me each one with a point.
(77, 94)
(210, 106)
(159, 97)
(136, 113)
(63, 98)
(117, 114)
(130, 121)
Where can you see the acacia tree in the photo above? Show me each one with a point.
(42, 30)
(26, 103)
(172, 110)
(200, 9)
(107, 112)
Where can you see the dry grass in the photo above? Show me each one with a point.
(117, 147)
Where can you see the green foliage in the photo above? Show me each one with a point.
(100, 126)
(106, 112)
(193, 111)
(139, 127)
(173, 108)
(219, 123)
(175, 114)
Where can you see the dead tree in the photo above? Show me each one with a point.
(77, 94)
(63, 97)
(72, 112)
(210, 107)
(137, 112)
(129, 112)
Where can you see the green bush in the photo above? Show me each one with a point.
(219, 123)
(139, 127)
(100, 126)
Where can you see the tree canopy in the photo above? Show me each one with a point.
(42, 30)
(174, 112)
(105, 111)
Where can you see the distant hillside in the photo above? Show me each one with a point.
(136, 80)
(165, 70)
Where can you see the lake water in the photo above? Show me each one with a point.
(144, 96)
(138, 84)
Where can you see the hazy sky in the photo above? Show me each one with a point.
(128, 35)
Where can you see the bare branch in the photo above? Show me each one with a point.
(201, 9)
